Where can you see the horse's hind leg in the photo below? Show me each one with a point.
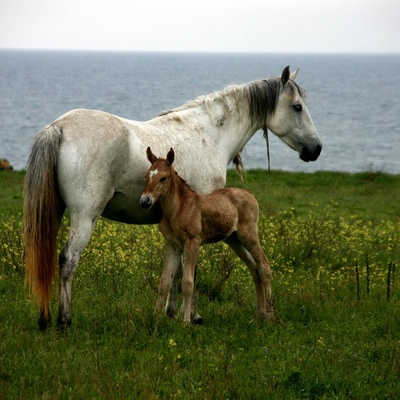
(44, 321)
(79, 235)
(250, 252)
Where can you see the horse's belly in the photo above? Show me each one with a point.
(121, 209)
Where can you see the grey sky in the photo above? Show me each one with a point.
(202, 25)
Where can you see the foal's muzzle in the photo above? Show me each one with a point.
(146, 201)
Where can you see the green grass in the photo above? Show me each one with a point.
(370, 195)
(11, 199)
(336, 337)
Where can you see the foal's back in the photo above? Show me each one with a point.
(217, 215)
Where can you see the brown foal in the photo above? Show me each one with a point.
(190, 220)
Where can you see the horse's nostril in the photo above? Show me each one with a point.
(310, 155)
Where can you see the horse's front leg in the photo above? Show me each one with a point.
(171, 260)
(191, 252)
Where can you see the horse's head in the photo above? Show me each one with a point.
(158, 178)
(291, 121)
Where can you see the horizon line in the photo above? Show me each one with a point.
(214, 52)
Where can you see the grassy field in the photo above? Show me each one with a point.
(333, 240)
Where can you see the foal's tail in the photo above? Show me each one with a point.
(40, 228)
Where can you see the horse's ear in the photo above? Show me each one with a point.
(170, 156)
(150, 156)
(294, 74)
(285, 75)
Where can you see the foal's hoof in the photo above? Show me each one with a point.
(268, 316)
(271, 317)
(171, 313)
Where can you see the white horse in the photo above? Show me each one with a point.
(94, 164)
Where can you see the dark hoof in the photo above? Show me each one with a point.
(63, 324)
(198, 320)
(44, 323)
(172, 313)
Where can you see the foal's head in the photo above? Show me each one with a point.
(158, 178)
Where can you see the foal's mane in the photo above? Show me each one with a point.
(180, 179)
(184, 182)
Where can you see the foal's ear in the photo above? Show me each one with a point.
(170, 156)
(150, 156)
(285, 75)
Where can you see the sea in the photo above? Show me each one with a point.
(354, 99)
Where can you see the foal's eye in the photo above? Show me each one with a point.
(298, 107)
(163, 179)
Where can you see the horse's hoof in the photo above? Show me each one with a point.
(197, 320)
(44, 323)
(171, 314)
(63, 323)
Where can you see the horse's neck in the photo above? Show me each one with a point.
(225, 121)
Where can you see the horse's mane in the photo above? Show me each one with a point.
(262, 97)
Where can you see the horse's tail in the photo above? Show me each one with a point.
(40, 227)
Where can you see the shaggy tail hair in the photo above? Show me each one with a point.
(237, 161)
(40, 222)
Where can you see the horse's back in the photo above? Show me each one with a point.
(93, 126)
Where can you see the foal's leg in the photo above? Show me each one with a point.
(195, 316)
(80, 232)
(248, 236)
(251, 254)
(191, 252)
(171, 309)
(172, 258)
(172, 306)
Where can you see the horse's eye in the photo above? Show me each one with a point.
(298, 107)
(163, 179)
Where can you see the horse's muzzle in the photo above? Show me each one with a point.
(310, 155)
(146, 202)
